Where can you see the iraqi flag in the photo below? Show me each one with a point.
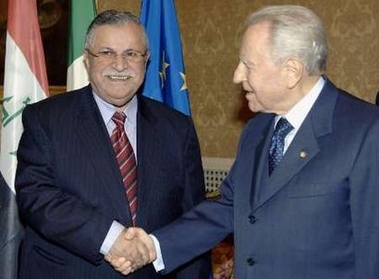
(82, 12)
(25, 82)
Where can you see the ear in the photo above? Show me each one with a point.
(147, 57)
(85, 60)
(294, 70)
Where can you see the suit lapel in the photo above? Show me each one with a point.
(96, 142)
(260, 158)
(304, 146)
(149, 148)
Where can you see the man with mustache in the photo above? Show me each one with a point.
(95, 161)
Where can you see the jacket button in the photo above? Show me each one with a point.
(250, 261)
(252, 219)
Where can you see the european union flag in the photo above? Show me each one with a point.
(165, 77)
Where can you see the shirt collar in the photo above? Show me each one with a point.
(299, 111)
(107, 110)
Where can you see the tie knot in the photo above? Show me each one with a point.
(119, 118)
(283, 127)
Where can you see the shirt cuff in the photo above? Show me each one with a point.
(114, 232)
(158, 263)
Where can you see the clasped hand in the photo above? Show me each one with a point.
(132, 250)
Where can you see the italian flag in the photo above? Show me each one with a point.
(25, 79)
(81, 15)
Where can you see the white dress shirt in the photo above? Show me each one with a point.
(297, 114)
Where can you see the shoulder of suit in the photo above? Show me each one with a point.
(64, 102)
(355, 106)
(68, 96)
(146, 103)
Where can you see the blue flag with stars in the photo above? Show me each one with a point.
(165, 79)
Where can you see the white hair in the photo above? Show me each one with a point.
(296, 32)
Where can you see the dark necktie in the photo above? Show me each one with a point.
(283, 127)
(126, 160)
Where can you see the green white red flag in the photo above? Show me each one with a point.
(82, 12)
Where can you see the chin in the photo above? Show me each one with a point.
(254, 106)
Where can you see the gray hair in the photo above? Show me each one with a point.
(113, 17)
(296, 32)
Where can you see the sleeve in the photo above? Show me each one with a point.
(60, 216)
(202, 227)
(198, 230)
(364, 197)
(195, 232)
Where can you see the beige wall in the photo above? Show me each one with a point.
(211, 32)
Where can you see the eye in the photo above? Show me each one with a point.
(107, 53)
(247, 64)
(132, 54)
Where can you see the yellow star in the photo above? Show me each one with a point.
(184, 86)
(162, 73)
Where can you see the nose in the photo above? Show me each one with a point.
(239, 73)
(120, 63)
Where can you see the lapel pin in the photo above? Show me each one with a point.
(303, 154)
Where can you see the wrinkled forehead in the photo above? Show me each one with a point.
(122, 33)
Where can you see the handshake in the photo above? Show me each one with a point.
(133, 249)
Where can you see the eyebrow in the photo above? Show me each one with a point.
(110, 48)
(126, 50)
(248, 64)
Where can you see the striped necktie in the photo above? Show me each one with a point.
(126, 160)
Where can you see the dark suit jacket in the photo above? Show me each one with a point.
(69, 188)
(316, 217)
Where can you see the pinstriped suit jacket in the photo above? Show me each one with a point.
(69, 188)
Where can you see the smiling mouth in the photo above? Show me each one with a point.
(118, 77)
